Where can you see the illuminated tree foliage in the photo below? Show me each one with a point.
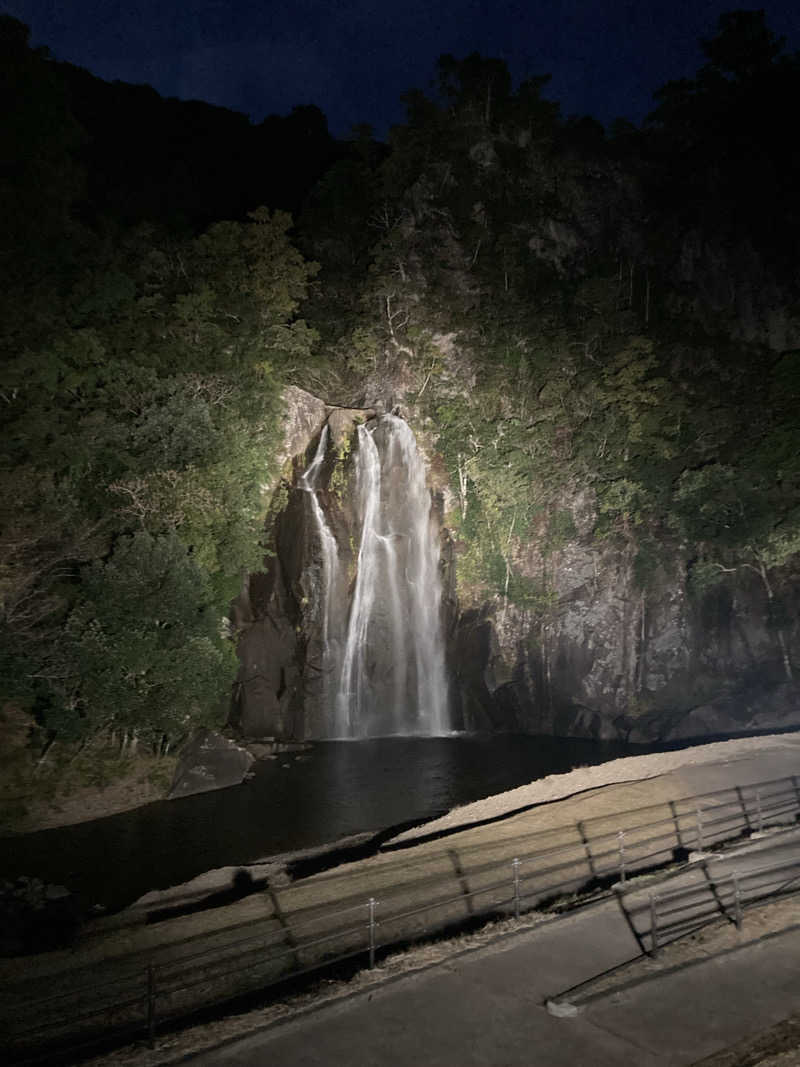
(524, 273)
(140, 392)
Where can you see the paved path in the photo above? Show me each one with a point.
(486, 1008)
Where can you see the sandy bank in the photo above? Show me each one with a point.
(615, 772)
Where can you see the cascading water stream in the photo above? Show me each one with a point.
(424, 584)
(350, 697)
(329, 562)
(392, 677)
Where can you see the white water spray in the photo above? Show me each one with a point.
(392, 677)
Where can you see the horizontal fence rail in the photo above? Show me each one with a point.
(413, 898)
(671, 914)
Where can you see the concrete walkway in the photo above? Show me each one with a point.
(487, 1010)
(486, 1007)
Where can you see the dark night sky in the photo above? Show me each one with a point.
(353, 58)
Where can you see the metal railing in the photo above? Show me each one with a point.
(674, 914)
(417, 897)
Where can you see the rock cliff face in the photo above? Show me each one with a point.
(603, 659)
(280, 639)
(609, 661)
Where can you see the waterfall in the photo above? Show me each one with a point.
(329, 563)
(351, 696)
(391, 678)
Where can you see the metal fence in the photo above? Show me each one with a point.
(412, 898)
(674, 914)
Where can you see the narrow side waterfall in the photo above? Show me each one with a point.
(391, 678)
(326, 580)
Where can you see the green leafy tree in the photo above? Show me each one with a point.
(139, 432)
(144, 649)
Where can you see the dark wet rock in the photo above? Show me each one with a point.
(304, 416)
(268, 747)
(37, 917)
(208, 762)
(343, 421)
(776, 709)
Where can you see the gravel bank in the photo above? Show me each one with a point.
(615, 772)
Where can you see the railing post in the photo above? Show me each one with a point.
(759, 812)
(737, 902)
(151, 1005)
(371, 910)
(621, 841)
(515, 869)
(653, 925)
(699, 818)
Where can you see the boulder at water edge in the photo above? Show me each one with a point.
(207, 762)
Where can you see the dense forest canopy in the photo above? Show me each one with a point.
(565, 306)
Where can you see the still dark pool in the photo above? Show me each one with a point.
(334, 790)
